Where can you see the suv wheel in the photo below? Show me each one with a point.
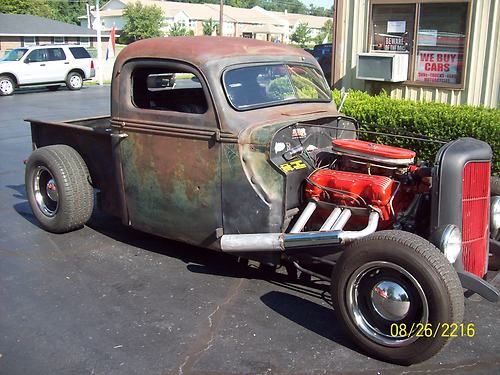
(7, 85)
(74, 81)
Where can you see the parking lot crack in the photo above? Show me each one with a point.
(206, 339)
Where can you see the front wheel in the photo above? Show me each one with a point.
(388, 287)
(74, 81)
(7, 86)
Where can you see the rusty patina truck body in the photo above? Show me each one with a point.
(247, 154)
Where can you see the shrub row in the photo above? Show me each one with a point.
(428, 119)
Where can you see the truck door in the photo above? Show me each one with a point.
(165, 130)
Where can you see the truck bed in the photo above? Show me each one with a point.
(91, 138)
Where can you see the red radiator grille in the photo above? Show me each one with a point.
(475, 205)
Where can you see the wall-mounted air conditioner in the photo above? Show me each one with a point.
(380, 66)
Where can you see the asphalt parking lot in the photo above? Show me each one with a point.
(109, 300)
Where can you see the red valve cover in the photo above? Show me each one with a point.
(349, 186)
(368, 149)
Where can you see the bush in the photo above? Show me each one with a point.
(428, 119)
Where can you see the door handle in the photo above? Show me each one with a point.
(42, 64)
(66, 62)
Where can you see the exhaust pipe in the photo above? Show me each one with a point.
(266, 242)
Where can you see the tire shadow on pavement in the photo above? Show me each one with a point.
(310, 315)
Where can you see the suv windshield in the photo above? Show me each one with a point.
(263, 85)
(15, 54)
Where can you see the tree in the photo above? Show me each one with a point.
(68, 10)
(302, 35)
(34, 7)
(326, 33)
(178, 29)
(209, 26)
(142, 21)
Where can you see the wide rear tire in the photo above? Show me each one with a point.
(395, 279)
(58, 188)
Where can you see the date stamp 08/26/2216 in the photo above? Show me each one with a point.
(433, 330)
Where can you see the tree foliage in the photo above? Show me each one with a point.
(178, 29)
(326, 32)
(68, 11)
(34, 7)
(142, 21)
(209, 27)
(60, 10)
(302, 35)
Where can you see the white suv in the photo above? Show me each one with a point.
(50, 66)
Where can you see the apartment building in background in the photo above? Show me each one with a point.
(256, 22)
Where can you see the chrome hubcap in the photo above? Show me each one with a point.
(390, 300)
(45, 189)
(380, 294)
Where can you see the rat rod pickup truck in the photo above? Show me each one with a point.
(248, 155)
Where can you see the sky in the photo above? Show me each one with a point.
(320, 3)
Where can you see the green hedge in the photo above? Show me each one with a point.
(433, 120)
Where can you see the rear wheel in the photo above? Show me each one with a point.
(7, 85)
(58, 188)
(74, 81)
(388, 287)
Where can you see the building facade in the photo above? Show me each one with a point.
(20, 30)
(255, 23)
(443, 50)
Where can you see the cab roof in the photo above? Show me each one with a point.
(201, 50)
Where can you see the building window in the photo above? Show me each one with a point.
(393, 27)
(58, 40)
(85, 41)
(433, 34)
(441, 43)
(29, 41)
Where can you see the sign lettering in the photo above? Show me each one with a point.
(436, 66)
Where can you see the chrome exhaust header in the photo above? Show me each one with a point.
(268, 242)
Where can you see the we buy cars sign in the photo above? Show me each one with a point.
(436, 66)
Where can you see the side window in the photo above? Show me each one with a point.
(166, 89)
(38, 55)
(56, 54)
(79, 53)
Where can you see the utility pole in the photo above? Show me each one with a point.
(99, 45)
(89, 19)
(221, 17)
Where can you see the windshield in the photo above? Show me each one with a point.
(15, 54)
(256, 86)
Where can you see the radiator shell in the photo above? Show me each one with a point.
(447, 195)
